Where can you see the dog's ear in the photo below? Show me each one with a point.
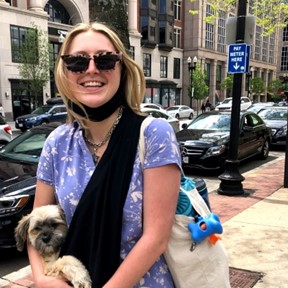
(21, 232)
(62, 214)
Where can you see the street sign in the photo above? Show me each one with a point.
(237, 58)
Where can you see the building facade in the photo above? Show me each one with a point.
(163, 36)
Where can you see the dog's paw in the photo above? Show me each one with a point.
(72, 270)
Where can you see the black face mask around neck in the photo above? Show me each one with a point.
(100, 113)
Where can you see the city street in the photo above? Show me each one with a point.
(12, 260)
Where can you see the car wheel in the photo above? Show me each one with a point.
(177, 116)
(191, 116)
(23, 129)
(265, 150)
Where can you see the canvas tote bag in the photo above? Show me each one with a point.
(206, 264)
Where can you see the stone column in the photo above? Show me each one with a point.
(212, 88)
(35, 5)
(132, 17)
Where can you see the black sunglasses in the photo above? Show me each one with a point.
(103, 61)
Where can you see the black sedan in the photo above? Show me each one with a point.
(276, 118)
(18, 165)
(204, 143)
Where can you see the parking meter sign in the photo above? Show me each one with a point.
(238, 58)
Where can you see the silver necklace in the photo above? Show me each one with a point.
(96, 146)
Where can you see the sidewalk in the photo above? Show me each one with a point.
(255, 230)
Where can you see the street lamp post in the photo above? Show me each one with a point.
(191, 68)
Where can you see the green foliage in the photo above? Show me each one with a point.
(199, 84)
(274, 87)
(113, 13)
(257, 86)
(34, 58)
(227, 84)
(270, 14)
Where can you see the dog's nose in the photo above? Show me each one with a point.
(46, 238)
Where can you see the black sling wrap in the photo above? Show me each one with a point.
(94, 235)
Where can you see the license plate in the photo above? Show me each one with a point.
(20, 125)
(185, 159)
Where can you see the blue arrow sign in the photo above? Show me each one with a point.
(237, 58)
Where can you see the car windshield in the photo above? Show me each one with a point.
(227, 101)
(26, 147)
(273, 114)
(41, 110)
(172, 108)
(211, 122)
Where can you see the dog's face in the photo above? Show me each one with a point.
(45, 227)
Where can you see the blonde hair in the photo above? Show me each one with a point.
(132, 75)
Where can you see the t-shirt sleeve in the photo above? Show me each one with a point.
(161, 146)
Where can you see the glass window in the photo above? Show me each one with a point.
(162, 32)
(18, 35)
(147, 64)
(177, 10)
(176, 68)
(177, 38)
(221, 32)
(57, 12)
(162, 6)
(163, 66)
(144, 27)
(209, 37)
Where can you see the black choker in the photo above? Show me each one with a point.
(100, 113)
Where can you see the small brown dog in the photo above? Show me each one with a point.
(45, 227)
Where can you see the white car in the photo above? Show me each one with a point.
(227, 104)
(180, 111)
(174, 122)
(152, 106)
(5, 132)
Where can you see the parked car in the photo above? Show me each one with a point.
(42, 115)
(275, 117)
(153, 106)
(256, 107)
(5, 132)
(180, 111)
(18, 164)
(226, 104)
(174, 122)
(204, 143)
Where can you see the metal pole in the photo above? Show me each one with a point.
(231, 179)
(286, 158)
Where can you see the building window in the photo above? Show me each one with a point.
(285, 34)
(176, 68)
(264, 48)
(162, 32)
(132, 52)
(177, 10)
(18, 35)
(147, 64)
(284, 59)
(271, 48)
(144, 27)
(162, 6)
(258, 43)
(163, 66)
(218, 77)
(177, 38)
(221, 32)
(57, 12)
(209, 37)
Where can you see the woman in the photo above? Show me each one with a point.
(120, 226)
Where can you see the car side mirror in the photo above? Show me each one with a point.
(184, 125)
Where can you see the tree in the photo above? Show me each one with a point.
(257, 86)
(228, 85)
(270, 14)
(274, 88)
(112, 13)
(199, 85)
(34, 61)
